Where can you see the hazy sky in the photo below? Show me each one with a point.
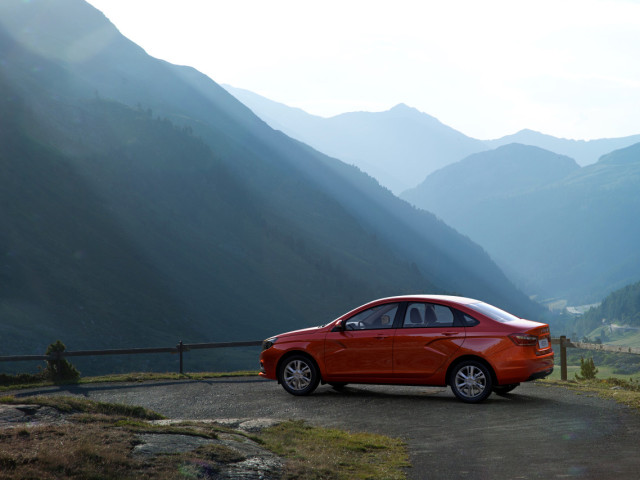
(487, 68)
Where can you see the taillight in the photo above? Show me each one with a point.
(523, 340)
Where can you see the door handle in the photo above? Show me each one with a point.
(380, 337)
(450, 334)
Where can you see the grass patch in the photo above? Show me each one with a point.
(82, 405)
(604, 371)
(99, 438)
(150, 376)
(314, 453)
(621, 336)
(97, 443)
(23, 381)
(66, 451)
(622, 391)
(220, 453)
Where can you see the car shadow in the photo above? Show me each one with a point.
(422, 394)
(85, 389)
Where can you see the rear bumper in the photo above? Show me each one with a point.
(520, 366)
(539, 375)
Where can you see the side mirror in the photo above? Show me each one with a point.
(338, 327)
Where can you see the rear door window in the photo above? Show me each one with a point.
(428, 315)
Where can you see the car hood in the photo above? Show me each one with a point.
(299, 332)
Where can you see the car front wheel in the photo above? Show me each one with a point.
(299, 375)
(471, 381)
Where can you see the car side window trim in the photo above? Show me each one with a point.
(400, 315)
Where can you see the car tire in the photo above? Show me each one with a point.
(299, 375)
(471, 381)
(504, 389)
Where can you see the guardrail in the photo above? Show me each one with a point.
(180, 348)
(565, 343)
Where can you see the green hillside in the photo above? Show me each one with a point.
(502, 173)
(559, 231)
(150, 240)
(617, 318)
(144, 205)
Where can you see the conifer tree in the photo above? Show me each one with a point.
(588, 369)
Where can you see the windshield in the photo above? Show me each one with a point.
(493, 312)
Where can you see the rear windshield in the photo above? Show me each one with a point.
(493, 312)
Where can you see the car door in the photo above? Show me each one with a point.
(427, 338)
(363, 349)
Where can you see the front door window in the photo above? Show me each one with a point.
(364, 349)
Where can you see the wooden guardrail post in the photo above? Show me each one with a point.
(180, 349)
(563, 358)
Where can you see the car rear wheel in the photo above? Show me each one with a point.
(504, 389)
(471, 381)
(299, 375)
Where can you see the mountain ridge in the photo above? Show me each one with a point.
(566, 237)
(301, 125)
(230, 225)
(397, 155)
(585, 152)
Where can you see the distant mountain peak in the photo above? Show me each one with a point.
(402, 106)
(528, 131)
(404, 110)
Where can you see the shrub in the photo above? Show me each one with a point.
(59, 369)
(20, 379)
(588, 369)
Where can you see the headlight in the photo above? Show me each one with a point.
(268, 343)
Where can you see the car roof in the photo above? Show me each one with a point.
(426, 297)
(413, 298)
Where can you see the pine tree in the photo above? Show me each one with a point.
(588, 369)
(59, 369)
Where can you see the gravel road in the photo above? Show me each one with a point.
(537, 432)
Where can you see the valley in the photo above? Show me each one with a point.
(144, 204)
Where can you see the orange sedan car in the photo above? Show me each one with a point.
(433, 340)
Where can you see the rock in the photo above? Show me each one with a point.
(237, 456)
(257, 424)
(29, 415)
(153, 444)
(246, 459)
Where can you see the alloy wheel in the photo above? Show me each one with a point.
(471, 382)
(299, 375)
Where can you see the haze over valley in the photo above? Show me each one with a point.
(401, 146)
(560, 228)
(143, 204)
